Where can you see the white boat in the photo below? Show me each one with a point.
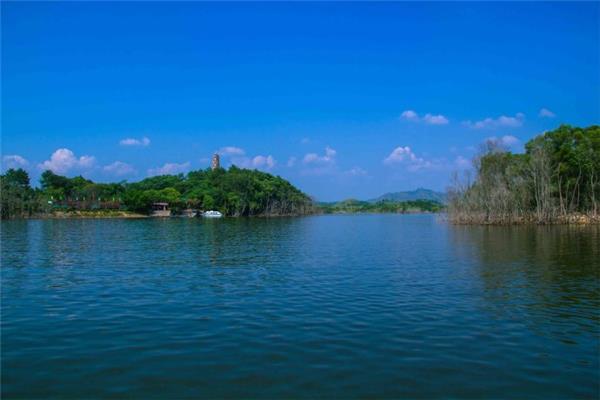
(212, 214)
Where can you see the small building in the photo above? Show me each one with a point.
(160, 210)
(215, 162)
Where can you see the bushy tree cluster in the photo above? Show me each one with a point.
(234, 192)
(557, 176)
(17, 198)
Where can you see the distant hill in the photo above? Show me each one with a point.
(412, 195)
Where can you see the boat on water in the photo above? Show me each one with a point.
(189, 213)
(212, 214)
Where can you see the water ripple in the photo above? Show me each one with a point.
(382, 306)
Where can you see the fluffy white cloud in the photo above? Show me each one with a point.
(257, 162)
(409, 115)
(231, 151)
(405, 156)
(170, 169)
(316, 164)
(509, 140)
(266, 162)
(435, 119)
(64, 160)
(119, 168)
(501, 121)
(14, 161)
(430, 119)
(400, 154)
(545, 113)
(143, 142)
(327, 158)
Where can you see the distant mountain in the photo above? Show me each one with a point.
(418, 194)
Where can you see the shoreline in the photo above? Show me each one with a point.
(133, 215)
(569, 219)
(84, 215)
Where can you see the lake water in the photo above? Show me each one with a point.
(376, 306)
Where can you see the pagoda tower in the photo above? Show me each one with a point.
(215, 163)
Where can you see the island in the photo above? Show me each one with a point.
(233, 191)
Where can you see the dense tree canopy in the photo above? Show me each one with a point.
(558, 175)
(16, 196)
(238, 192)
(235, 192)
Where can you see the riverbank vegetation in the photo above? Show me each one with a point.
(356, 206)
(556, 180)
(234, 192)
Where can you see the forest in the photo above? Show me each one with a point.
(556, 179)
(234, 192)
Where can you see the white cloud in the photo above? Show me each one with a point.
(170, 169)
(14, 161)
(409, 115)
(430, 119)
(291, 162)
(231, 151)
(143, 142)
(266, 162)
(509, 140)
(316, 164)
(257, 162)
(405, 156)
(314, 158)
(545, 113)
(501, 121)
(400, 154)
(325, 164)
(119, 168)
(64, 160)
(435, 119)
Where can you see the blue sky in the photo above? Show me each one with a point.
(343, 99)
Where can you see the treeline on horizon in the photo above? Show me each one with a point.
(382, 206)
(234, 192)
(555, 180)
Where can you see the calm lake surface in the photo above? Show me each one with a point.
(330, 306)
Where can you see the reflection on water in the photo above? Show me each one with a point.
(381, 306)
(548, 273)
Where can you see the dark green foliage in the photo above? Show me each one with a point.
(16, 196)
(234, 192)
(418, 194)
(61, 188)
(357, 206)
(558, 176)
